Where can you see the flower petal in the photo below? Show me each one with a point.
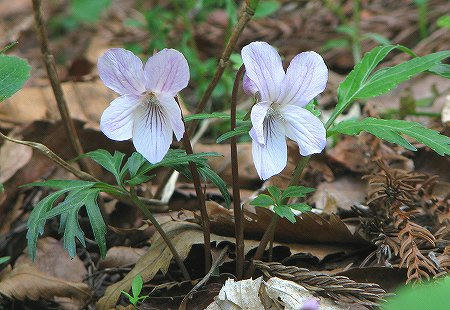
(271, 158)
(306, 77)
(257, 116)
(173, 113)
(305, 129)
(117, 120)
(121, 71)
(264, 68)
(248, 86)
(167, 72)
(152, 132)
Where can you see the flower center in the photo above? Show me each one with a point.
(150, 99)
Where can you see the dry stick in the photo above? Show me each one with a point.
(245, 16)
(205, 279)
(161, 231)
(201, 201)
(270, 231)
(56, 86)
(238, 218)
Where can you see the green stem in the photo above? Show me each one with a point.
(422, 15)
(356, 40)
(161, 231)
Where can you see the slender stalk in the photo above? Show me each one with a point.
(356, 44)
(56, 86)
(270, 230)
(246, 15)
(238, 217)
(422, 15)
(201, 201)
(161, 231)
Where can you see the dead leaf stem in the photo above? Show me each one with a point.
(56, 86)
(245, 16)
(238, 220)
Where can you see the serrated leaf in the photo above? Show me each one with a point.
(110, 162)
(360, 84)
(63, 184)
(391, 130)
(284, 211)
(262, 200)
(238, 131)
(302, 207)
(219, 115)
(97, 223)
(36, 220)
(441, 69)
(275, 192)
(14, 72)
(139, 179)
(296, 191)
(134, 163)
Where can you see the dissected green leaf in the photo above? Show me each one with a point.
(296, 191)
(391, 130)
(4, 259)
(207, 173)
(262, 200)
(312, 107)
(441, 69)
(14, 72)
(360, 84)
(275, 192)
(97, 223)
(241, 130)
(219, 115)
(284, 211)
(63, 184)
(110, 162)
(302, 207)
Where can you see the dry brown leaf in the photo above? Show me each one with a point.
(342, 193)
(26, 281)
(52, 259)
(120, 256)
(13, 157)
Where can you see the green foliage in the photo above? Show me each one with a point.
(266, 8)
(4, 259)
(2, 188)
(238, 131)
(88, 11)
(278, 199)
(312, 107)
(362, 84)
(79, 194)
(391, 130)
(443, 21)
(136, 288)
(110, 162)
(219, 115)
(431, 295)
(14, 72)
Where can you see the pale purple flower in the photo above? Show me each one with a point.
(310, 304)
(146, 110)
(279, 112)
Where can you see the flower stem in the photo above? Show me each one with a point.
(270, 230)
(56, 86)
(201, 201)
(238, 220)
(246, 15)
(161, 231)
(356, 44)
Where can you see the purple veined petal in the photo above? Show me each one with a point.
(306, 77)
(152, 132)
(305, 129)
(248, 86)
(264, 68)
(310, 304)
(117, 120)
(167, 72)
(122, 71)
(271, 158)
(257, 116)
(174, 114)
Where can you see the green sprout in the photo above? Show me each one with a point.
(136, 288)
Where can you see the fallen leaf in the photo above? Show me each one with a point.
(13, 157)
(26, 281)
(120, 256)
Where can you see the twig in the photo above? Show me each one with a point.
(153, 204)
(246, 15)
(205, 279)
(270, 231)
(56, 86)
(161, 231)
(238, 220)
